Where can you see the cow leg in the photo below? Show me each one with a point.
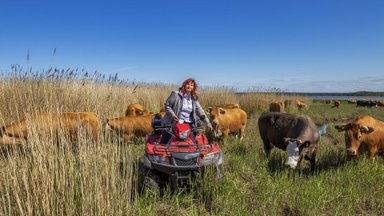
(126, 138)
(241, 132)
(267, 147)
(313, 161)
(225, 134)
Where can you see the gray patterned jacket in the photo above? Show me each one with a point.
(173, 107)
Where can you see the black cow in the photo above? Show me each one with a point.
(366, 103)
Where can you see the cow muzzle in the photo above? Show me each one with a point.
(293, 154)
(351, 152)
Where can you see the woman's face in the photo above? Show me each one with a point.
(189, 87)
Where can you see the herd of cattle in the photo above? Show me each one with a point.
(294, 133)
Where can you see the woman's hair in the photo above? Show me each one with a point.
(193, 93)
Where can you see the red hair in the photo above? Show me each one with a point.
(193, 93)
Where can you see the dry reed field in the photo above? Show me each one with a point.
(46, 177)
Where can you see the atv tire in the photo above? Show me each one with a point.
(151, 182)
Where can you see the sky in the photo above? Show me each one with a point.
(291, 45)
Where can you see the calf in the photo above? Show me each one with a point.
(228, 120)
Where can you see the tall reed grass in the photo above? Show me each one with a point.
(45, 179)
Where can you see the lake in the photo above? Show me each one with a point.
(330, 97)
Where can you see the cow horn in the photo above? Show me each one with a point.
(366, 129)
(342, 127)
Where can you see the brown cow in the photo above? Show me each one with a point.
(276, 106)
(380, 103)
(336, 104)
(55, 125)
(135, 109)
(129, 126)
(230, 106)
(352, 101)
(363, 135)
(301, 104)
(228, 120)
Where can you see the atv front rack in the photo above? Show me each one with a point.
(181, 148)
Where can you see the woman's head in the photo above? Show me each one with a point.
(189, 86)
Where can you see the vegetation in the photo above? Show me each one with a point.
(45, 179)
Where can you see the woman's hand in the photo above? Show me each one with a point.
(176, 119)
(209, 126)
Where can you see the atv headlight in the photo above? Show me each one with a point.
(159, 159)
(210, 159)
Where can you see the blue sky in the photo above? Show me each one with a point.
(293, 45)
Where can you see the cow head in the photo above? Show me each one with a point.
(215, 114)
(295, 150)
(135, 109)
(355, 134)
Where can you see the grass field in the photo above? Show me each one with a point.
(43, 179)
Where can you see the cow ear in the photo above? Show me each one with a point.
(342, 127)
(366, 129)
(222, 111)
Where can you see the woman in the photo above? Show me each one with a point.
(182, 106)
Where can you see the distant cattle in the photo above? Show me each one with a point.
(364, 135)
(136, 109)
(228, 120)
(54, 125)
(295, 133)
(301, 104)
(127, 127)
(328, 101)
(380, 103)
(352, 101)
(276, 106)
(336, 104)
(366, 103)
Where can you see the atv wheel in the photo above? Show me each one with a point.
(151, 182)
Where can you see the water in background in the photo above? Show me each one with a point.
(330, 97)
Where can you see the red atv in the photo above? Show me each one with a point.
(180, 160)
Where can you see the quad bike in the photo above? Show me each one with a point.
(183, 158)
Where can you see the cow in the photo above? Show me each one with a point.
(227, 120)
(295, 133)
(301, 104)
(276, 106)
(366, 103)
(127, 127)
(135, 109)
(230, 106)
(364, 135)
(352, 101)
(336, 104)
(55, 125)
(380, 103)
